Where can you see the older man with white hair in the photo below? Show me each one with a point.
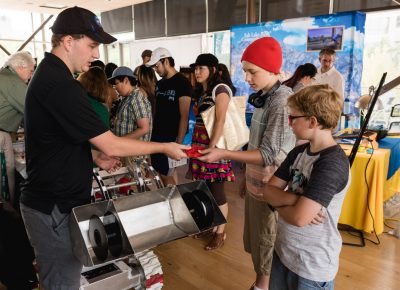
(14, 75)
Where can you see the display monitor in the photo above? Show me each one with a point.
(319, 38)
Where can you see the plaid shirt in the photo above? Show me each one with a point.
(133, 108)
(271, 134)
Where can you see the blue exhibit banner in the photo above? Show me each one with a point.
(301, 39)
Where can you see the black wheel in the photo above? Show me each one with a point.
(207, 207)
(98, 237)
(200, 207)
(114, 235)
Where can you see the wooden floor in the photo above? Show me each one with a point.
(187, 266)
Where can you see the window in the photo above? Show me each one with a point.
(113, 53)
(279, 10)
(186, 17)
(118, 20)
(222, 14)
(149, 19)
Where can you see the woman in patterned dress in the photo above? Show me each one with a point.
(214, 174)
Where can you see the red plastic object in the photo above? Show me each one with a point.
(194, 151)
(124, 189)
(154, 279)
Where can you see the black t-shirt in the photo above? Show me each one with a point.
(59, 121)
(167, 114)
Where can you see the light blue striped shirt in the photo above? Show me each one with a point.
(133, 108)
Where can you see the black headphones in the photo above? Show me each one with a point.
(258, 99)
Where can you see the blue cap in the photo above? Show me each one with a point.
(121, 71)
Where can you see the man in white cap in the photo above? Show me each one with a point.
(171, 118)
(59, 125)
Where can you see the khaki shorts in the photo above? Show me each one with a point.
(260, 224)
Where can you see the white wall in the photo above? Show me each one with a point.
(184, 49)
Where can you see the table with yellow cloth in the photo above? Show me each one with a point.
(354, 211)
(393, 179)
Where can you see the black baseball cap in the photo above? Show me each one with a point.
(206, 59)
(78, 20)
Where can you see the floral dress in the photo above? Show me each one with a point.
(210, 172)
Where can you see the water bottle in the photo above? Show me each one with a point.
(342, 123)
(346, 106)
(5, 190)
(347, 122)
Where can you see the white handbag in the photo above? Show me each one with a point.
(235, 133)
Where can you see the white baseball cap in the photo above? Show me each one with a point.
(157, 54)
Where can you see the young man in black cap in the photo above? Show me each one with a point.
(59, 124)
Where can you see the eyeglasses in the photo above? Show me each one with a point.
(116, 83)
(158, 64)
(291, 118)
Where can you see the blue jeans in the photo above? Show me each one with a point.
(283, 279)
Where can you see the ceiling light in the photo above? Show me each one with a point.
(53, 6)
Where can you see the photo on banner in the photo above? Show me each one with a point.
(319, 38)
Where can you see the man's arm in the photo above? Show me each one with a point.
(294, 209)
(112, 145)
(249, 157)
(274, 194)
(184, 107)
(143, 129)
(105, 162)
(271, 144)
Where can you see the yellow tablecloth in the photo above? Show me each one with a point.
(393, 183)
(354, 211)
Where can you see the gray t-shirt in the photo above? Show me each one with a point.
(297, 87)
(271, 134)
(312, 251)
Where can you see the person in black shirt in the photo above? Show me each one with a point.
(171, 117)
(146, 55)
(59, 125)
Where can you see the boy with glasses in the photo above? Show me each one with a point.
(317, 176)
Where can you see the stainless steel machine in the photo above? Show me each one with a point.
(114, 235)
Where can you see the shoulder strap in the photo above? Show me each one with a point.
(226, 87)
